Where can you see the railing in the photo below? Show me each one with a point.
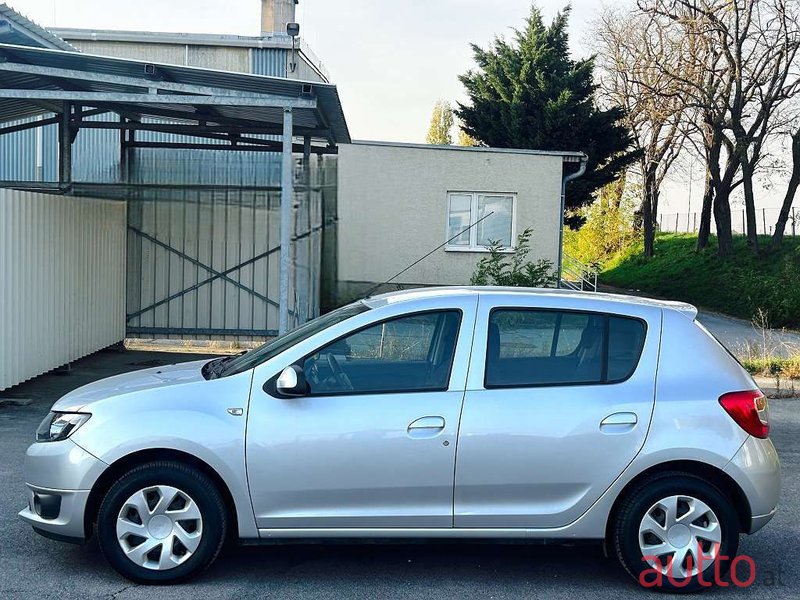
(576, 275)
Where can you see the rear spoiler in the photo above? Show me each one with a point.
(688, 310)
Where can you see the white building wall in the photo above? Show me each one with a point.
(393, 209)
(62, 280)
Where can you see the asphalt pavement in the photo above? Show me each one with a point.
(34, 567)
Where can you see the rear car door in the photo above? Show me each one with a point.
(373, 443)
(558, 403)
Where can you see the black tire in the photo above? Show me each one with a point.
(197, 486)
(625, 532)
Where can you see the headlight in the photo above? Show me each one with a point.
(59, 426)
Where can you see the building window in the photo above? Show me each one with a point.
(467, 208)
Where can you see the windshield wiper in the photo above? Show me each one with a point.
(214, 369)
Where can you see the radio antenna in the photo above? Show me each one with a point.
(419, 260)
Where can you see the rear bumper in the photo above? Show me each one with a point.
(757, 470)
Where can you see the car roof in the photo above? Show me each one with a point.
(510, 292)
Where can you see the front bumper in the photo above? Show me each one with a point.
(757, 470)
(59, 477)
(68, 524)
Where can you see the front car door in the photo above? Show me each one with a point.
(559, 399)
(373, 443)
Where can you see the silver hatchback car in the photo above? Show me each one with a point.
(453, 413)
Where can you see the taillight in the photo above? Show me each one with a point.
(750, 411)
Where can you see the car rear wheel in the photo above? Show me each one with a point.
(676, 532)
(162, 522)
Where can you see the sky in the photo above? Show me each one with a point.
(391, 59)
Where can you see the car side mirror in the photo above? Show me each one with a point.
(292, 382)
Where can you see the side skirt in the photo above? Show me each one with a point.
(496, 535)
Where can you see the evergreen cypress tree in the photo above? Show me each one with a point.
(530, 94)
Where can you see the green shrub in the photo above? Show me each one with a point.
(608, 228)
(513, 269)
(784, 368)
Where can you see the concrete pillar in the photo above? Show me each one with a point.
(275, 14)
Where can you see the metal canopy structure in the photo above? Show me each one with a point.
(16, 29)
(231, 111)
(35, 81)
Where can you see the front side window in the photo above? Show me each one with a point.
(405, 354)
(546, 347)
(468, 208)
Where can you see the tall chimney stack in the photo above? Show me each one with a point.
(275, 14)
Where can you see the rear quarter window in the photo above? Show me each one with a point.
(625, 343)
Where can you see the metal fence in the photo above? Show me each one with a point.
(203, 261)
(689, 222)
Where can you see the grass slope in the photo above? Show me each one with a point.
(739, 285)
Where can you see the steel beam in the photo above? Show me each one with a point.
(194, 129)
(305, 297)
(176, 114)
(278, 147)
(48, 121)
(201, 331)
(287, 197)
(150, 98)
(65, 146)
(122, 80)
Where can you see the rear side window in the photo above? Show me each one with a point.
(546, 347)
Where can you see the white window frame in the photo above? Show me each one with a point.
(473, 211)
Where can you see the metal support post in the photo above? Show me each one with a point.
(287, 194)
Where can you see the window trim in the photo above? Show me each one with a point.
(473, 245)
(271, 383)
(604, 368)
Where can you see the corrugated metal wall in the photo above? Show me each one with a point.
(30, 155)
(269, 61)
(174, 54)
(62, 280)
(273, 61)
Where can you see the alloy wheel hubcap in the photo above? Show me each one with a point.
(159, 527)
(680, 536)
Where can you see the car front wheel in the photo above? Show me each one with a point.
(676, 532)
(161, 522)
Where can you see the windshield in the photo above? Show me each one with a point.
(272, 348)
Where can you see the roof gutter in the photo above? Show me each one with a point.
(584, 159)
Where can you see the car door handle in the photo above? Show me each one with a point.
(427, 423)
(619, 422)
(426, 427)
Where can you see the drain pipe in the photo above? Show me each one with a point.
(564, 181)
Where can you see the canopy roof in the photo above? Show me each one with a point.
(16, 29)
(36, 81)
